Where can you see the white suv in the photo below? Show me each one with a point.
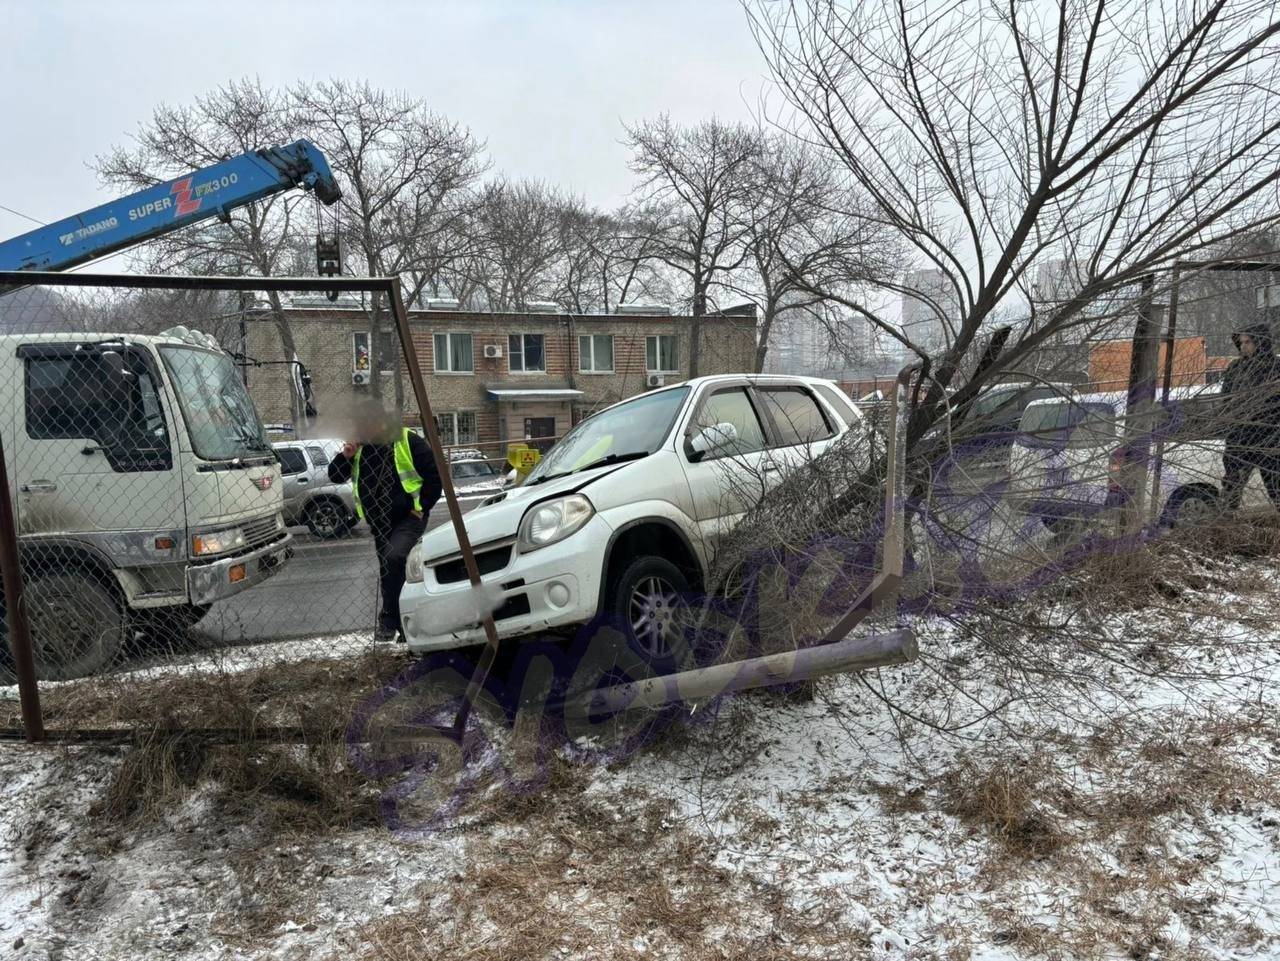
(622, 515)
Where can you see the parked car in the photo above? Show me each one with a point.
(473, 471)
(622, 515)
(327, 509)
(1066, 459)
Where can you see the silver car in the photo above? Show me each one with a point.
(310, 498)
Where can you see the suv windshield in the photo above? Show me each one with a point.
(631, 429)
(220, 417)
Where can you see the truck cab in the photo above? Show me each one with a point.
(143, 487)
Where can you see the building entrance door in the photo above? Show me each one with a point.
(538, 428)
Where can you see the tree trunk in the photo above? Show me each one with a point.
(695, 328)
(762, 344)
(297, 405)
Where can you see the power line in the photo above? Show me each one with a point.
(18, 213)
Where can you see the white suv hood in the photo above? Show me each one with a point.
(501, 520)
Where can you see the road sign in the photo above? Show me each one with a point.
(523, 458)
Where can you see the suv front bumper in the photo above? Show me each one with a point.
(555, 586)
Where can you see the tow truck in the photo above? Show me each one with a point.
(142, 482)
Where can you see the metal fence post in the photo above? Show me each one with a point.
(451, 499)
(19, 631)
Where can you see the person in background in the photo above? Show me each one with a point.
(395, 483)
(1253, 437)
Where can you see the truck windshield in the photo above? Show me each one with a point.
(634, 428)
(220, 417)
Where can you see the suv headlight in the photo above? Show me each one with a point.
(553, 521)
(413, 566)
(217, 542)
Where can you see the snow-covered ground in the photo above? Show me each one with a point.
(1125, 804)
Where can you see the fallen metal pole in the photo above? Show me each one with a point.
(785, 667)
(24, 662)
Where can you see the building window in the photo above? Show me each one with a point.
(453, 354)
(595, 353)
(525, 354)
(661, 355)
(388, 351)
(457, 427)
(360, 351)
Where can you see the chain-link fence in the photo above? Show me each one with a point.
(171, 554)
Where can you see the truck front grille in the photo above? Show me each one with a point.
(261, 531)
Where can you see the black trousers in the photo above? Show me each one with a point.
(393, 545)
(1238, 464)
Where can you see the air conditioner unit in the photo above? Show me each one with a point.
(360, 378)
(655, 380)
(492, 351)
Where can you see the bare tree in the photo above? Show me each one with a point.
(609, 259)
(256, 240)
(991, 138)
(521, 228)
(405, 173)
(806, 234)
(701, 177)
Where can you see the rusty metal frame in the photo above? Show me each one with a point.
(19, 630)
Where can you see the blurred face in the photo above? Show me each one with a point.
(375, 427)
(1247, 346)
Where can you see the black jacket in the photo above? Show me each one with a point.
(382, 495)
(1254, 386)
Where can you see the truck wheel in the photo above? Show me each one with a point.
(77, 625)
(170, 623)
(1191, 507)
(327, 519)
(649, 600)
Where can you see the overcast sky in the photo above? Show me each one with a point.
(547, 83)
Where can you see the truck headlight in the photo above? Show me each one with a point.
(413, 566)
(553, 521)
(217, 542)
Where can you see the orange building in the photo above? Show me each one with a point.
(1109, 362)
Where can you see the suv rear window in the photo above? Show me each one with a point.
(1076, 424)
(796, 414)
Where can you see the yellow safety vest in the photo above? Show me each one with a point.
(410, 479)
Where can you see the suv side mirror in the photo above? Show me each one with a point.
(713, 438)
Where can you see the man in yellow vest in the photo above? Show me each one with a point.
(395, 483)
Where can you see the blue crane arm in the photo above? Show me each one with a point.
(209, 192)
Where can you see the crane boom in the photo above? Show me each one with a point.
(211, 191)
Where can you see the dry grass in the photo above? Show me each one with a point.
(318, 695)
(1007, 801)
(578, 878)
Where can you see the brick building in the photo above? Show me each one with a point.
(490, 377)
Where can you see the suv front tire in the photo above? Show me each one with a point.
(648, 599)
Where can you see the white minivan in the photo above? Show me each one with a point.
(621, 517)
(1065, 458)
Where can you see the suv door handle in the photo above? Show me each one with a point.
(39, 487)
(303, 479)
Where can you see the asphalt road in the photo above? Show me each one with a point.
(329, 587)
